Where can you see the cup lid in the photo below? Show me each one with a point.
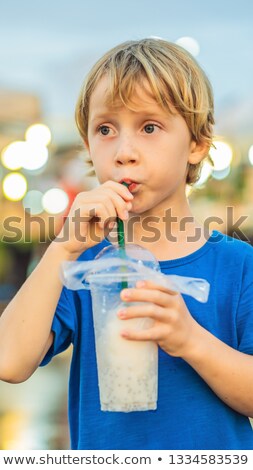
(131, 253)
(114, 263)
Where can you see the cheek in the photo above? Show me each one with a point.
(100, 155)
(172, 166)
(101, 168)
(177, 157)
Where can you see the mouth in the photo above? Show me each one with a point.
(132, 185)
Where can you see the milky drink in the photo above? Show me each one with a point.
(127, 370)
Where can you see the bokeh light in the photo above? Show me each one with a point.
(38, 134)
(206, 172)
(32, 202)
(55, 201)
(222, 174)
(34, 157)
(190, 44)
(27, 155)
(250, 155)
(12, 155)
(14, 186)
(221, 155)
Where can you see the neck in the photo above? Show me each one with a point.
(170, 224)
(168, 234)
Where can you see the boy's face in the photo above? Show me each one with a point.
(147, 146)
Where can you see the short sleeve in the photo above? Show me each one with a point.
(244, 319)
(63, 327)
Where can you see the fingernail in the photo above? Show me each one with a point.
(124, 334)
(122, 313)
(126, 294)
(129, 205)
(126, 215)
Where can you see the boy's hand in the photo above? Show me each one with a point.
(92, 216)
(173, 324)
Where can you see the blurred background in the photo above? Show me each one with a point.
(46, 48)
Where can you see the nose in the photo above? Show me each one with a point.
(126, 152)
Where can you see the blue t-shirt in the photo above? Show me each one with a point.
(189, 414)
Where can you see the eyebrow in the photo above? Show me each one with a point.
(147, 114)
(103, 115)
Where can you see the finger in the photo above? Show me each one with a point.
(97, 199)
(115, 204)
(110, 225)
(147, 284)
(155, 296)
(120, 205)
(120, 189)
(143, 311)
(145, 335)
(101, 216)
(94, 213)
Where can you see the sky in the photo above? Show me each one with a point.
(47, 47)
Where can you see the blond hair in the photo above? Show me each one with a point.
(174, 76)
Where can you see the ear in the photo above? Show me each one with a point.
(86, 144)
(198, 151)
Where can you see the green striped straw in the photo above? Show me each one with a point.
(121, 242)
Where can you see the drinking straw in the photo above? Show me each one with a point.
(121, 242)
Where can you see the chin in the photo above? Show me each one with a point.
(140, 210)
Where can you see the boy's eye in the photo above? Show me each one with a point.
(104, 130)
(149, 128)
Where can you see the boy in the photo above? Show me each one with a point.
(146, 115)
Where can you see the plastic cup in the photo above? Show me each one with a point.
(127, 370)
